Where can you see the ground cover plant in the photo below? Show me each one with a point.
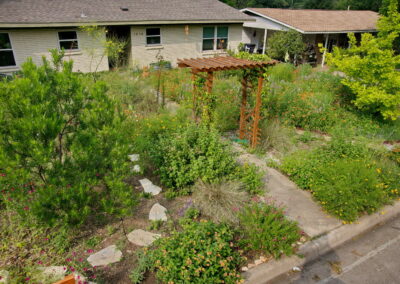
(202, 252)
(346, 177)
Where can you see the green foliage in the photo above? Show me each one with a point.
(252, 56)
(264, 228)
(282, 72)
(220, 201)
(371, 67)
(303, 100)
(194, 153)
(202, 252)
(144, 264)
(63, 155)
(286, 44)
(345, 177)
(275, 136)
(251, 177)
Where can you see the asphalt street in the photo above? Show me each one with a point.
(372, 258)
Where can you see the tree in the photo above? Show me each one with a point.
(63, 152)
(288, 43)
(370, 67)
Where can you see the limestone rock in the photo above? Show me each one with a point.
(245, 268)
(106, 256)
(158, 212)
(142, 238)
(54, 271)
(149, 187)
(136, 169)
(134, 157)
(258, 262)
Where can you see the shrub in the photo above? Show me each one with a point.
(220, 201)
(371, 67)
(251, 177)
(287, 43)
(64, 152)
(264, 228)
(202, 252)
(196, 152)
(144, 263)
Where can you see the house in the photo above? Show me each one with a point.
(327, 27)
(170, 28)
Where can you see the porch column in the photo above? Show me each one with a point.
(265, 40)
(325, 48)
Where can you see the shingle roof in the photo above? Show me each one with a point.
(106, 11)
(322, 20)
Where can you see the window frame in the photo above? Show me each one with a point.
(66, 40)
(215, 38)
(9, 49)
(153, 36)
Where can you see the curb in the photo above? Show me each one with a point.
(311, 250)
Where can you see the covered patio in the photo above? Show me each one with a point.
(326, 27)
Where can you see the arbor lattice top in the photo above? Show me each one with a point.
(221, 63)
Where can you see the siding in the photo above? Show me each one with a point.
(36, 43)
(176, 44)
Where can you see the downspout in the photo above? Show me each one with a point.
(325, 48)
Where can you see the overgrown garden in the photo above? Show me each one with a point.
(69, 188)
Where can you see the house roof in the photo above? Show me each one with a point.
(320, 21)
(72, 12)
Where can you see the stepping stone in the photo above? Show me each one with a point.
(136, 169)
(106, 256)
(4, 276)
(142, 238)
(158, 212)
(149, 187)
(134, 157)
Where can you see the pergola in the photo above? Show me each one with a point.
(249, 120)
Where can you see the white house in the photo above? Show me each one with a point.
(327, 27)
(171, 28)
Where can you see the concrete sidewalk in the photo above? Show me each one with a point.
(325, 231)
(298, 203)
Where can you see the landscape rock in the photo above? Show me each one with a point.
(258, 262)
(4, 276)
(57, 272)
(134, 157)
(142, 238)
(149, 187)
(296, 269)
(158, 212)
(106, 256)
(245, 268)
(136, 169)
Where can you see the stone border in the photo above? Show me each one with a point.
(313, 249)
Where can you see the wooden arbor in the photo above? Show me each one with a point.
(249, 120)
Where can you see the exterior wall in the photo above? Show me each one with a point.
(36, 43)
(175, 43)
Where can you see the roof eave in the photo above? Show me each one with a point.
(339, 32)
(118, 23)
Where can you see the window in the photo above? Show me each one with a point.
(153, 36)
(68, 40)
(6, 52)
(215, 38)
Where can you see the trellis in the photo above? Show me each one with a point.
(249, 120)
